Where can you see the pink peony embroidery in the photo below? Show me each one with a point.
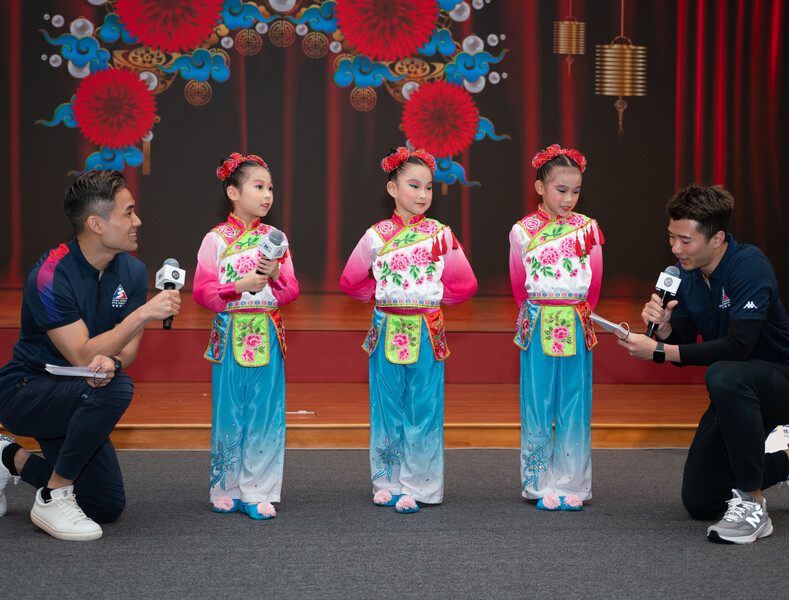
(531, 223)
(559, 333)
(404, 354)
(557, 348)
(385, 226)
(246, 264)
(574, 273)
(430, 278)
(399, 262)
(400, 340)
(568, 246)
(574, 219)
(428, 227)
(549, 256)
(253, 340)
(406, 285)
(216, 352)
(420, 257)
(248, 356)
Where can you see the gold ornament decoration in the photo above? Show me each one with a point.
(282, 33)
(198, 93)
(315, 45)
(621, 70)
(569, 38)
(248, 42)
(363, 99)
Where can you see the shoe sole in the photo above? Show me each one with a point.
(716, 537)
(69, 536)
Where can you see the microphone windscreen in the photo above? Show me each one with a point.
(672, 270)
(172, 262)
(276, 237)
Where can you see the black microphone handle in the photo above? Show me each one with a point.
(168, 322)
(653, 326)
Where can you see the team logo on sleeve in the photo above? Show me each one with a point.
(725, 301)
(750, 305)
(119, 298)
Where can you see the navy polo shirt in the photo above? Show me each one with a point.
(62, 288)
(742, 287)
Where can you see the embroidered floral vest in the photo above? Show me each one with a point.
(239, 257)
(556, 255)
(409, 262)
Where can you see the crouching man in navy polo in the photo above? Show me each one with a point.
(728, 294)
(83, 305)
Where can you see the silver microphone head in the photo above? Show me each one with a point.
(172, 262)
(672, 270)
(276, 237)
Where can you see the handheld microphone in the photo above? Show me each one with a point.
(170, 277)
(667, 284)
(273, 246)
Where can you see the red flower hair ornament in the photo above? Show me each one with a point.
(555, 150)
(231, 164)
(402, 154)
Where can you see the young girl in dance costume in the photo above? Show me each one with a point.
(411, 264)
(555, 270)
(247, 346)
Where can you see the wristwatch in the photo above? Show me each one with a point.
(659, 355)
(118, 363)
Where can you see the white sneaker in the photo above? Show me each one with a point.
(62, 518)
(746, 520)
(5, 475)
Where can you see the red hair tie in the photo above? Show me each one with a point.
(555, 150)
(231, 164)
(402, 154)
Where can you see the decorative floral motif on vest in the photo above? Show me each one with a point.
(438, 335)
(223, 461)
(533, 463)
(585, 313)
(558, 330)
(250, 339)
(403, 333)
(390, 455)
(523, 327)
(218, 341)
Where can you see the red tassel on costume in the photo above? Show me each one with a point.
(434, 252)
(578, 250)
(455, 243)
(600, 235)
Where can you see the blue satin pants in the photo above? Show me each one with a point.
(407, 422)
(556, 419)
(248, 428)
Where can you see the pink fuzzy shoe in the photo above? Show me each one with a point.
(259, 511)
(571, 502)
(406, 504)
(223, 504)
(385, 498)
(549, 502)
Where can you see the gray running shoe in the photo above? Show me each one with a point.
(5, 474)
(745, 521)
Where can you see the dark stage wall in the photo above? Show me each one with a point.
(716, 83)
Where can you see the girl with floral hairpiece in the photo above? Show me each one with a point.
(411, 264)
(555, 270)
(245, 287)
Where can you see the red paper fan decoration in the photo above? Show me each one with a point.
(114, 108)
(170, 25)
(386, 29)
(440, 117)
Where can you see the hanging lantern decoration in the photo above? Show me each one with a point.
(569, 38)
(621, 70)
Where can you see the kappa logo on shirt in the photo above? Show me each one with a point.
(725, 301)
(119, 298)
(749, 304)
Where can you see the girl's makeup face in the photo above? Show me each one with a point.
(255, 196)
(412, 190)
(560, 191)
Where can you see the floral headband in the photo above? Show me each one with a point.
(231, 164)
(555, 150)
(399, 156)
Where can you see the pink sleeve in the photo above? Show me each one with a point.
(207, 290)
(457, 277)
(517, 270)
(286, 287)
(355, 280)
(596, 264)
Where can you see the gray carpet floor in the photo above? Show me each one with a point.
(632, 540)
